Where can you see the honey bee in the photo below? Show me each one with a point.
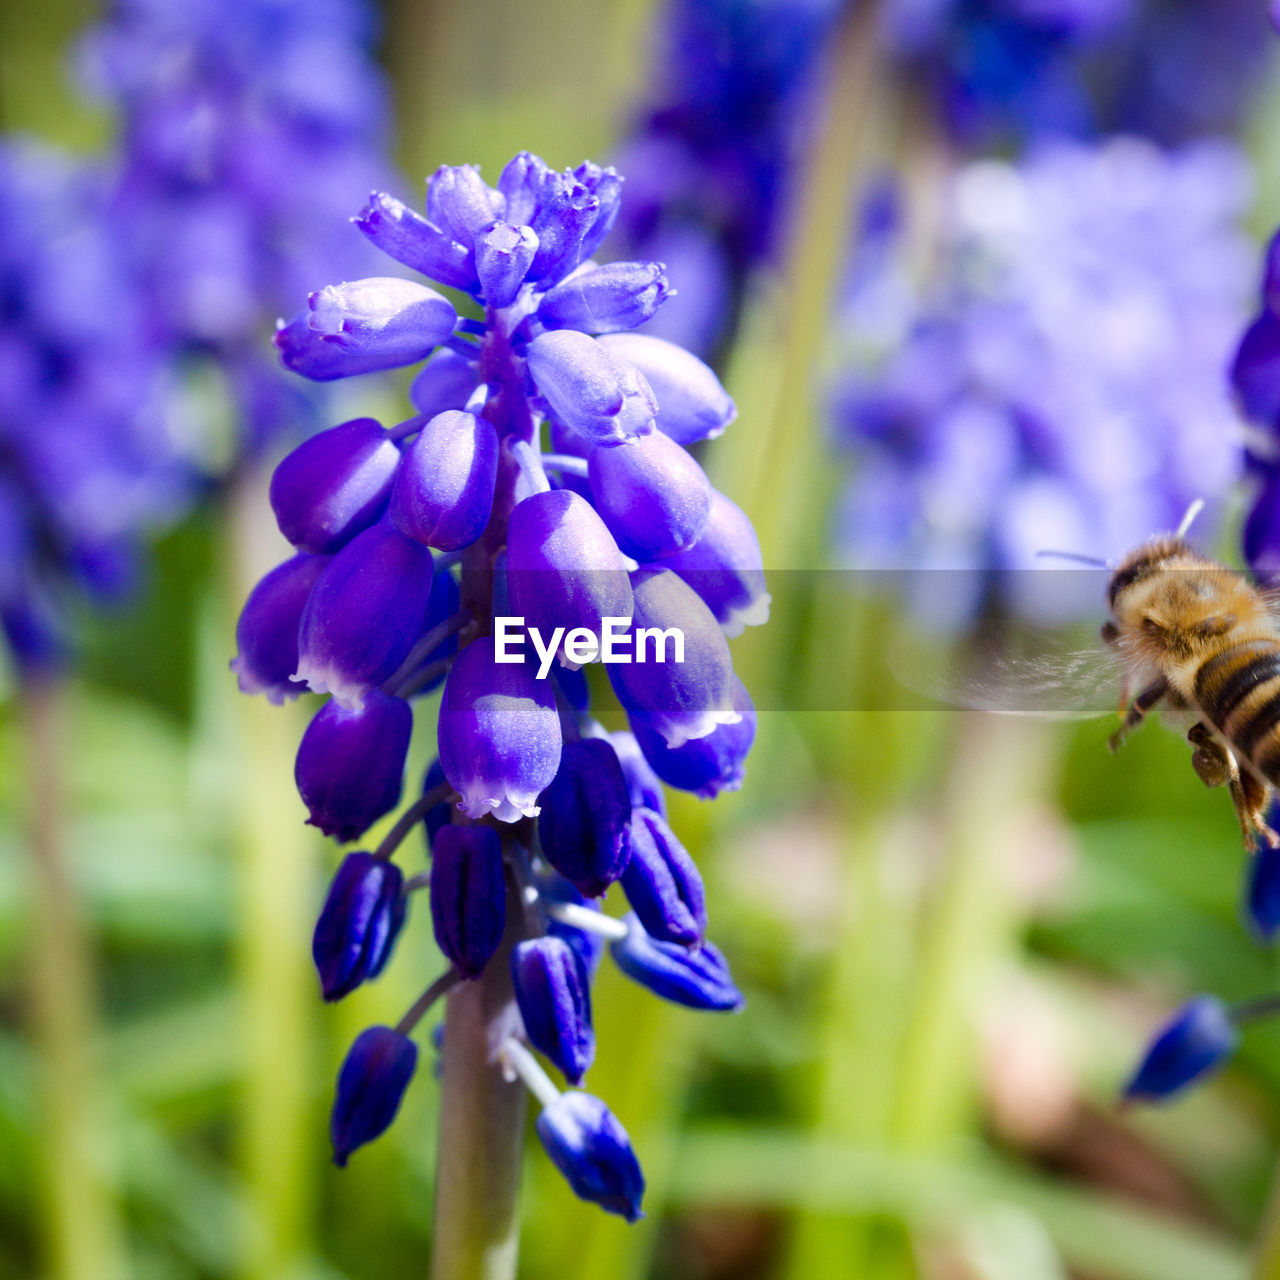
(1199, 640)
(1186, 635)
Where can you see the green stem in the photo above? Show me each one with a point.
(83, 1236)
(477, 1224)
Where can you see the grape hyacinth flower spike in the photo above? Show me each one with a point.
(534, 512)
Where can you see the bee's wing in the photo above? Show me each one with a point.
(1011, 669)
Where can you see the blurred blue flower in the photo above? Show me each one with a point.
(245, 127)
(1197, 1040)
(91, 452)
(1060, 385)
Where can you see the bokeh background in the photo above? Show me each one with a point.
(955, 931)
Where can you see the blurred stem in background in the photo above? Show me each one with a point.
(1266, 1262)
(82, 1235)
(278, 1131)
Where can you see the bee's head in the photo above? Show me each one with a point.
(1141, 564)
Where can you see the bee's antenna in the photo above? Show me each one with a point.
(1075, 555)
(1192, 511)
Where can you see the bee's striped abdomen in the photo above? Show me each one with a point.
(1239, 691)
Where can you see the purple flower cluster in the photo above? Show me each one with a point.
(615, 528)
(710, 160)
(1061, 385)
(217, 100)
(89, 456)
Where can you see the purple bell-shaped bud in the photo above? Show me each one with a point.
(697, 977)
(692, 404)
(371, 1085)
(504, 255)
(364, 614)
(555, 1003)
(366, 325)
(1195, 1042)
(654, 497)
(1262, 893)
(350, 765)
(499, 734)
(662, 883)
(686, 693)
(359, 923)
(267, 632)
(565, 571)
(606, 299)
(443, 492)
(585, 818)
(459, 200)
(592, 1150)
(602, 399)
(706, 766)
(725, 568)
(468, 895)
(333, 485)
(405, 235)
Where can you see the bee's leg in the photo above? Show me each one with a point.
(1211, 760)
(1250, 797)
(1137, 711)
(1216, 767)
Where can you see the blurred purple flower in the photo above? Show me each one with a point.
(1061, 385)
(91, 453)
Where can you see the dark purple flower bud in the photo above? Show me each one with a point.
(267, 633)
(408, 237)
(588, 1145)
(726, 569)
(504, 254)
(604, 400)
(1196, 1041)
(654, 497)
(468, 895)
(680, 678)
(564, 570)
(499, 734)
(459, 201)
(522, 183)
(334, 484)
(439, 815)
(606, 185)
(643, 784)
(606, 299)
(585, 817)
(1262, 893)
(359, 923)
(555, 1003)
(350, 764)
(705, 766)
(565, 216)
(698, 978)
(692, 404)
(443, 492)
(1255, 371)
(371, 1085)
(662, 883)
(446, 381)
(364, 614)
